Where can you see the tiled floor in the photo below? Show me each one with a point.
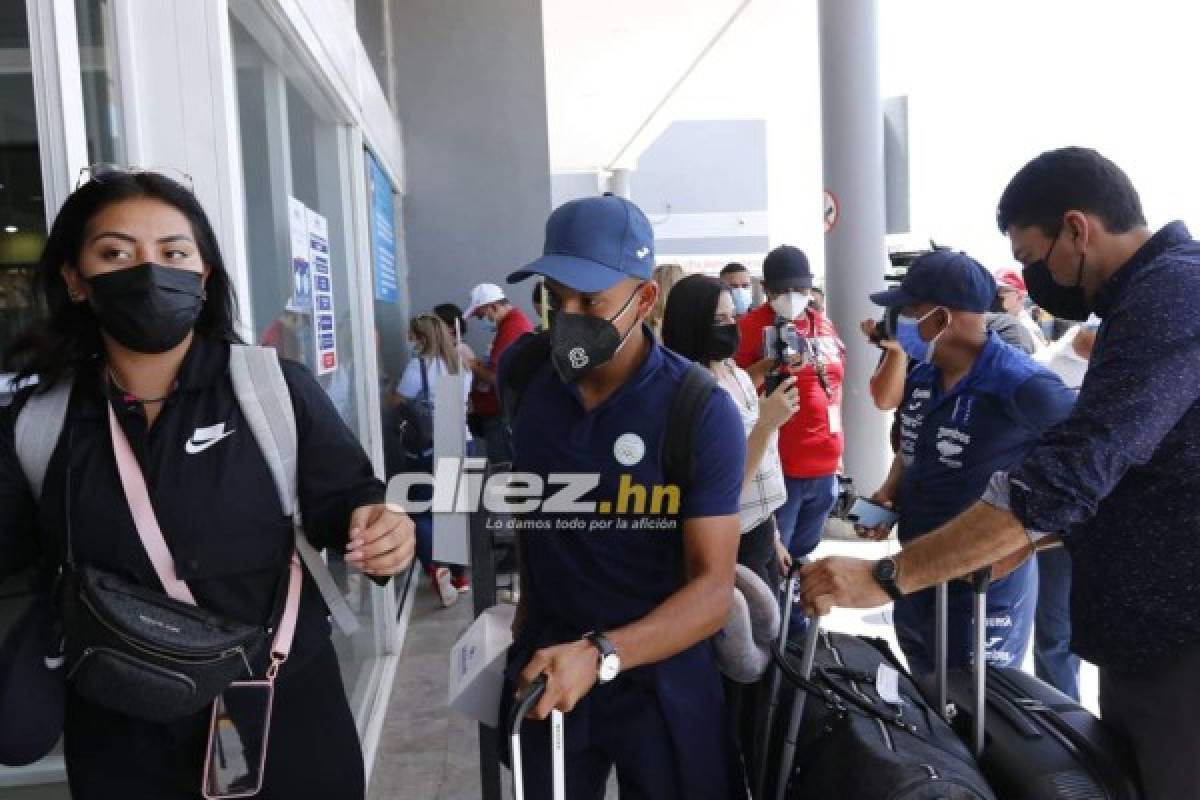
(427, 752)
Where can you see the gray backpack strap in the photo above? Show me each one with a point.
(39, 425)
(262, 393)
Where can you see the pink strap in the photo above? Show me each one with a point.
(144, 519)
(291, 611)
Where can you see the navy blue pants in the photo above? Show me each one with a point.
(1052, 656)
(627, 732)
(1011, 606)
(801, 521)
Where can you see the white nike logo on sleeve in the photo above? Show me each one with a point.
(204, 438)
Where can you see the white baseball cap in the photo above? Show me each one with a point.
(481, 295)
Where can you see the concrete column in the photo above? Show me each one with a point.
(619, 183)
(855, 252)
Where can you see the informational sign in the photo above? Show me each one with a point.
(300, 301)
(833, 210)
(324, 322)
(382, 225)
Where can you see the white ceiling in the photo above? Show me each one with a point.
(609, 64)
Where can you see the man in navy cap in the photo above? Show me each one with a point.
(619, 600)
(972, 405)
(811, 442)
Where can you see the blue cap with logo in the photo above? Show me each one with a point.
(592, 243)
(947, 278)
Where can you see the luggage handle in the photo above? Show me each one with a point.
(806, 668)
(979, 581)
(520, 710)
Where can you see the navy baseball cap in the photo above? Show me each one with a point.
(592, 243)
(947, 278)
(786, 267)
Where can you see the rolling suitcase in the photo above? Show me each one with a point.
(845, 721)
(1032, 741)
(516, 717)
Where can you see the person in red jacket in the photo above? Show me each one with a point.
(810, 443)
(508, 324)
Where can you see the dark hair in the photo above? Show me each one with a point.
(69, 335)
(688, 318)
(537, 294)
(1070, 179)
(733, 267)
(449, 313)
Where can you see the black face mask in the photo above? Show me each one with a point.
(579, 343)
(722, 342)
(1064, 302)
(147, 308)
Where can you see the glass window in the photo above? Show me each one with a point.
(98, 71)
(22, 237)
(22, 209)
(374, 28)
(295, 166)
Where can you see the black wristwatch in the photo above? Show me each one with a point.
(884, 573)
(610, 662)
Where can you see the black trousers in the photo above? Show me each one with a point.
(745, 702)
(1158, 712)
(313, 751)
(756, 550)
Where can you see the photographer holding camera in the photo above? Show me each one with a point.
(887, 383)
(782, 337)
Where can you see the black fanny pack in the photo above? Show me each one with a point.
(144, 654)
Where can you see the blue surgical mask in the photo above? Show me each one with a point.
(910, 340)
(489, 325)
(741, 299)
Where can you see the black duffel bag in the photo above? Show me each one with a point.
(827, 731)
(144, 654)
(853, 745)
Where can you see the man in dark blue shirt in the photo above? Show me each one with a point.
(1118, 481)
(621, 591)
(972, 405)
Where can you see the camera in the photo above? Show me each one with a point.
(782, 342)
(885, 327)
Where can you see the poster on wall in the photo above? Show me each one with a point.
(300, 300)
(324, 324)
(383, 232)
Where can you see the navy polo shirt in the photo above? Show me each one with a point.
(617, 568)
(599, 571)
(952, 442)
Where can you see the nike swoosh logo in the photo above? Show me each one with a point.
(193, 447)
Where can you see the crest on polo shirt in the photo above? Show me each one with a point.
(629, 449)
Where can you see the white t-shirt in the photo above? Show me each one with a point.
(1061, 359)
(410, 381)
(767, 492)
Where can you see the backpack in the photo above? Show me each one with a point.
(678, 454)
(411, 422)
(263, 396)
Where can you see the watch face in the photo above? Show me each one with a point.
(886, 569)
(610, 665)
